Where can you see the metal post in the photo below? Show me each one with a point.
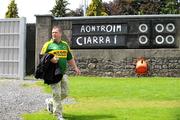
(84, 7)
(22, 48)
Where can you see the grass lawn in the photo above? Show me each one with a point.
(119, 99)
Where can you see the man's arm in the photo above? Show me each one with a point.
(72, 63)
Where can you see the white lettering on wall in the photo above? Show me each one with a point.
(108, 40)
(114, 29)
(78, 42)
(109, 28)
(88, 28)
(94, 28)
(101, 40)
(100, 28)
(115, 39)
(103, 28)
(96, 40)
(89, 41)
(118, 28)
(83, 29)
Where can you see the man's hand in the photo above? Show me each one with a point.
(74, 66)
(54, 60)
(78, 72)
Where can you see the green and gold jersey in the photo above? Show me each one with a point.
(60, 50)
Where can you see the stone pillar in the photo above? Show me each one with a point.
(43, 33)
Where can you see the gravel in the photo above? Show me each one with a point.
(16, 99)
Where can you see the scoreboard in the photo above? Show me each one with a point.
(128, 33)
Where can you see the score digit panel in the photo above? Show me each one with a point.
(164, 34)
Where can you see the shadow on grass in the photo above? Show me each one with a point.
(87, 117)
(178, 117)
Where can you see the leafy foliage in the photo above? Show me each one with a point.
(149, 8)
(118, 7)
(96, 9)
(12, 11)
(77, 12)
(135, 7)
(170, 7)
(59, 10)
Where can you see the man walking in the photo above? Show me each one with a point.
(62, 55)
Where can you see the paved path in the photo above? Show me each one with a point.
(16, 99)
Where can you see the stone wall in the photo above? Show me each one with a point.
(121, 63)
(158, 66)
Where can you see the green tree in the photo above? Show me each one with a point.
(121, 7)
(170, 7)
(59, 10)
(77, 12)
(12, 11)
(142, 7)
(149, 8)
(96, 9)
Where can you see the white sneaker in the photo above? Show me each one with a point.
(60, 118)
(49, 103)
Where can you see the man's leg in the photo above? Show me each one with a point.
(64, 87)
(57, 106)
